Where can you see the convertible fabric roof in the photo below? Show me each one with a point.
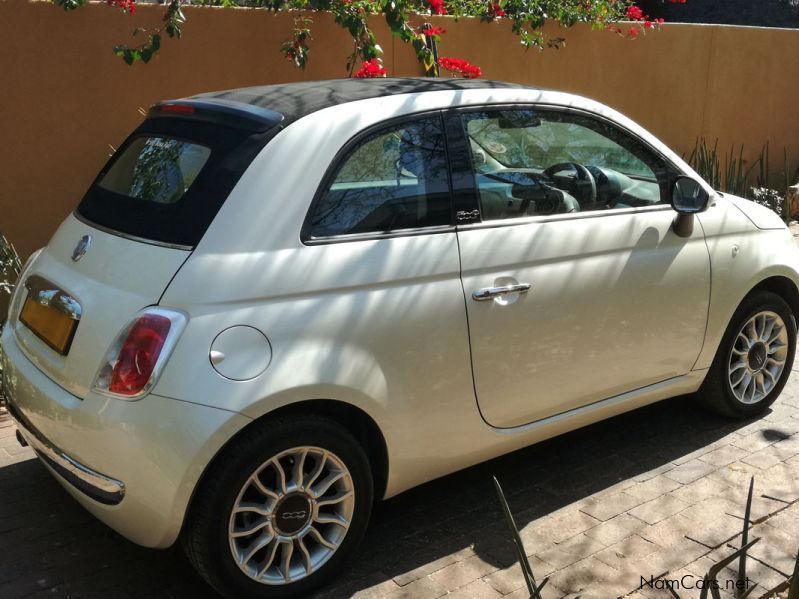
(296, 100)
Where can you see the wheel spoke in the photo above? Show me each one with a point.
(251, 530)
(299, 465)
(269, 560)
(288, 551)
(737, 366)
(306, 557)
(745, 339)
(263, 490)
(256, 547)
(320, 464)
(281, 475)
(328, 482)
(334, 500)
(329, 519)
(769, 330)
(738, 381)
(252, 507)
(320, 539)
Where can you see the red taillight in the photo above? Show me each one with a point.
(179, 108)
(139, 353)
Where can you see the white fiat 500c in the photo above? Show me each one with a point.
(277, 304)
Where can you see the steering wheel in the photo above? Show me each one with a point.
(580, 186)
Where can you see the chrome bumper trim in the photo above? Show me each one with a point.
(99, 487)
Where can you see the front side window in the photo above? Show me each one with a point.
(530, 162)
(392, 179)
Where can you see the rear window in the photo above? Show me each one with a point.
(156, 169)
(169, 179)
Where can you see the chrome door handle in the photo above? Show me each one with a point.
(489, 293)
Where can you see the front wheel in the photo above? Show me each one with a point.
(282, 510)
(755, 357)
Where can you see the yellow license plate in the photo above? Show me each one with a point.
(48, 321)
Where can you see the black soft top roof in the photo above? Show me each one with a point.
(296, 100)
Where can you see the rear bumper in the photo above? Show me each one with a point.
(133, 464)
(99, 487)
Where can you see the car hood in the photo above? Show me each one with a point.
(761, 217)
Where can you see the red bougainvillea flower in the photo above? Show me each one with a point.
(370, 70)
(634, 13)
(633, 33)
(495, 10)
(460, 67)
(648, 25)
(430, 31)
(129, 6)
(437, 7)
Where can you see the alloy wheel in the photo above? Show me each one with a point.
(291, 515)
(757, 358)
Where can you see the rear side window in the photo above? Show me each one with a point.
(156, 169)
(393, 179)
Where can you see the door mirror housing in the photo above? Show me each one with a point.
(688, 196)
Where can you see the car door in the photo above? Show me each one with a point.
(577, 287)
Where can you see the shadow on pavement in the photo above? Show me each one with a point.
(49, 546)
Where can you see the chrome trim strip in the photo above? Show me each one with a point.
(99, 487)
(163, 244)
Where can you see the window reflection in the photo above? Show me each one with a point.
(393, 179)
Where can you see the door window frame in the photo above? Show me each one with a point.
(344, 153)
(462, 171)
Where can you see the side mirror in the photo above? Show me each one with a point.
(688, 197)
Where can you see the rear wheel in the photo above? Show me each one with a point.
(755, 357)
(282, 511)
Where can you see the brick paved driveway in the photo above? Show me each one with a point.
(658, 490)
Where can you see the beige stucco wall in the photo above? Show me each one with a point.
(65, 98)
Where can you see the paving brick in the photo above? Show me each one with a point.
(423, 588)
(609, 507)
(698, 452)
(724, 455)
(564, 524)
(735, 474)
(573, 550)
(688, 472)
(658, 509)
(655, 487)
(478, 589)
(701, 489)
(628, 550)
(649, 474)
(615, 529)
(780, 482)
(776, 548)
(433, 566)
(714, 533)
(461, 573)
(583, 576)
(764, 459)
(755, 441)
(507, 580)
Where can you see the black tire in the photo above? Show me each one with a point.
(205, 532)
(716, 392)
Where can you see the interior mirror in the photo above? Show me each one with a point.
(688, 196)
